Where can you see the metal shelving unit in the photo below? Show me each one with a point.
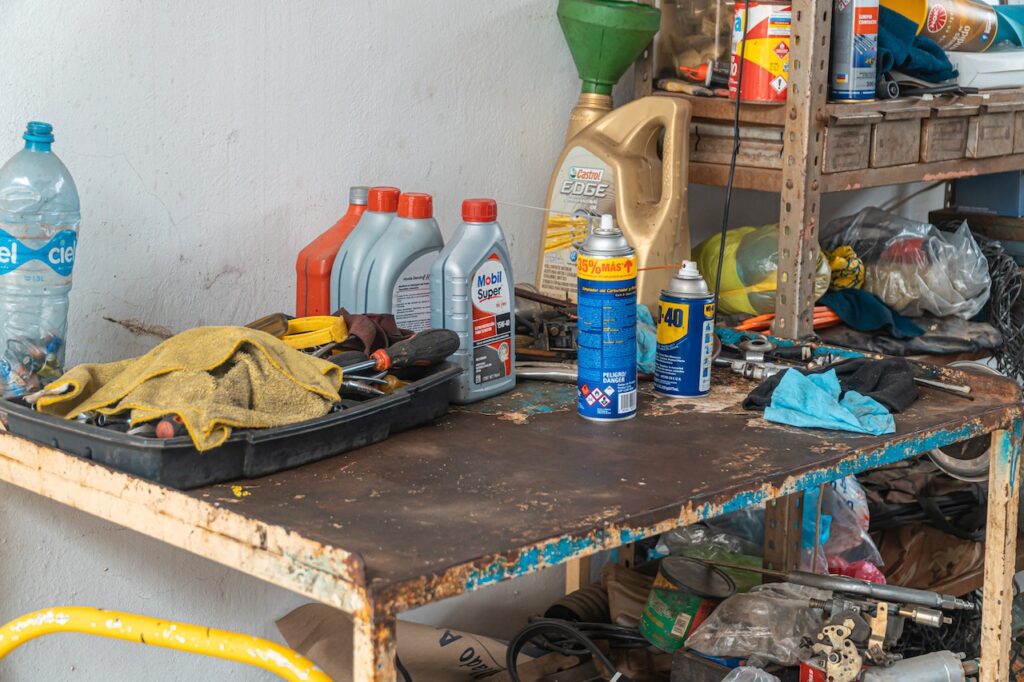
(834, 147)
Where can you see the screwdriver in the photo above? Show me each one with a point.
(419, 350)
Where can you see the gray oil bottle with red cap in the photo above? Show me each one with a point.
(472, 294)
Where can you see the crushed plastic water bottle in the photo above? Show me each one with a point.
(39, 219)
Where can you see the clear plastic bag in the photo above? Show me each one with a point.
(845, 501)
(746, 674)
(770, 622)
(700, 542)
(912, 266)
(750, 269)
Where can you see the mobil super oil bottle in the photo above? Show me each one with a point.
(686, 328)
(606, 305)
(471, 293)
(39, 218)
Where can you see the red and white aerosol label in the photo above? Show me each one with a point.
(811, 673)
(766, 33)
(491, 295)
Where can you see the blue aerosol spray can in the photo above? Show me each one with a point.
(686, 329)
(606, 305)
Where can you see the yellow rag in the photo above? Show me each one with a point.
(214, 378)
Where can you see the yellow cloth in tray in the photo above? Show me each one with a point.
(215, 378)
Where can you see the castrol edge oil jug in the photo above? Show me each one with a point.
(631, 163)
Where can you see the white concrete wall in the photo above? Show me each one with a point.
(210, 141)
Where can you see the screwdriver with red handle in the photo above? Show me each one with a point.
(420, 350)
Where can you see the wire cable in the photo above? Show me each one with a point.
(1005, 308)
(573, 639)
(406, 677)
(735, 153)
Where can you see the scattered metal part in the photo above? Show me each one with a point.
(967, 460)
(843, 661)
(359, 389)
(325, 349)
(939, 665)
(952, 389)
(105, 420)
(147, 429)
(546, 371)
(756, 344)
(530, 294)
(750, 370)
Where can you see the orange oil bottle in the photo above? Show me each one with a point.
(313, 266)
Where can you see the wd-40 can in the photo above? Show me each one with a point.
(606, 305)
(854, 50)
(686, 328)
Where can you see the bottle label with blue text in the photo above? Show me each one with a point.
(606, 305)
(686, 329)
(58, 253)
(582, 182)
(491, 296)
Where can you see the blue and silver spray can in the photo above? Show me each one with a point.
(686, 330)
(606, 304)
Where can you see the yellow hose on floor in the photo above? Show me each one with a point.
(195, 639)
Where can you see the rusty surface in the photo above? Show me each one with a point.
(922, 172)
(989, 135)
(802, 160)
(847, 148)
(943, 139)
(895, 142)
(476, 498)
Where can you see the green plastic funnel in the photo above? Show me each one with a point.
(605, 37)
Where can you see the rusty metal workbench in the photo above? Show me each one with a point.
(519, 483)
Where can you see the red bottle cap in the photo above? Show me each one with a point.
(479, 210)
(415, 205)
(383, 199)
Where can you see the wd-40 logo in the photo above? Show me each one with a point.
(585, 182)
(58, 253)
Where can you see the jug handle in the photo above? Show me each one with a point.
(673, 115)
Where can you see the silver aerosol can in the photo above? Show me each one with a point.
(606, 305)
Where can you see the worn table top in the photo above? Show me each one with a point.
(504, 487)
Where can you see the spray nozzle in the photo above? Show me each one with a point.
(688, 270)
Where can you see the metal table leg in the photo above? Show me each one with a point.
(374, 648)
(1000, 554)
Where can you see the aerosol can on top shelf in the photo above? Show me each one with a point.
(631, 163)
(471, 293)
(395, 276)
(314, 264)
(381, 204)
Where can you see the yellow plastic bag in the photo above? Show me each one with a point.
(750, 269)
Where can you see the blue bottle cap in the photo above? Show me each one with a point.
(37, 131)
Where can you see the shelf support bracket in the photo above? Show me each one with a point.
(802, 155)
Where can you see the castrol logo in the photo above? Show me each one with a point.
(937, 18)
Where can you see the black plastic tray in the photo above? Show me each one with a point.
(247, 453)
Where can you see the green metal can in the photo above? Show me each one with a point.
(684, 594)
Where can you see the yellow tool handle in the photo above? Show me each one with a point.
(309, 332)
(194, 639)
